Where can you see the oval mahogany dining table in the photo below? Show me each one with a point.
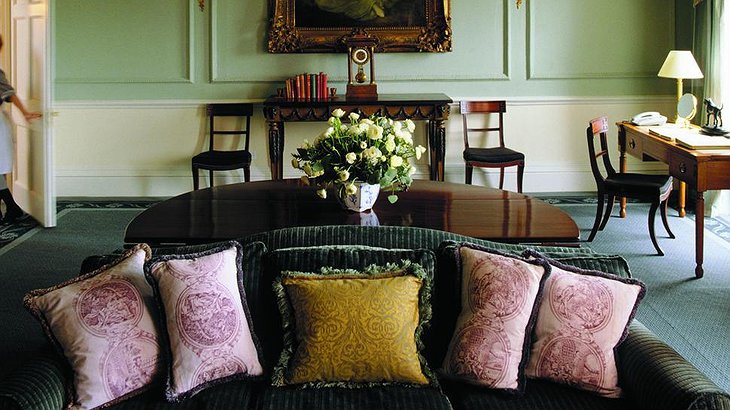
(232, 211)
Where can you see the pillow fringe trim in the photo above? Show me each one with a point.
(279, 377)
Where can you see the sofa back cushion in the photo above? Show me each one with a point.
(391, 237)
(613, 264)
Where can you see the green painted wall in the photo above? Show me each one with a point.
(169, 49)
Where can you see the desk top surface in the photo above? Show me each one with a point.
(699, 153)
(236, 210)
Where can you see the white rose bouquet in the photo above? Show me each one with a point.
(373, 150)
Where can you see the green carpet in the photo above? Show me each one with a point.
(691, 315)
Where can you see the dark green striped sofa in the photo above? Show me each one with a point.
(652, 374)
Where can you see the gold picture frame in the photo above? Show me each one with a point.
(318, 26)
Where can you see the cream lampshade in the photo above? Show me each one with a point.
(680, 64)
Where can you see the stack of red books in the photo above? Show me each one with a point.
(307, 86)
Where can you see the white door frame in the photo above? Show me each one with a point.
(39, 201)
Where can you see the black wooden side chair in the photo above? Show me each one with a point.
(648, 188)
(493, 157)
(218, 160)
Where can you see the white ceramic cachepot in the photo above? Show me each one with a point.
(362, 200)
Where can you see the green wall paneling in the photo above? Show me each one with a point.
(169, 49)
(124, 41)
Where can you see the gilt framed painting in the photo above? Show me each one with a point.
(318, 26)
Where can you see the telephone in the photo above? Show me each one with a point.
(649, 118)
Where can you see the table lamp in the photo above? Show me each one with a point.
(680, 64)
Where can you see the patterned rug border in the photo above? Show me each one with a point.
(9, 233)
(103, 204)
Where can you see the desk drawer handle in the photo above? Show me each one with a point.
(682, 168)
(632, 144)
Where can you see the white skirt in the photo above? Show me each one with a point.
(6, 143)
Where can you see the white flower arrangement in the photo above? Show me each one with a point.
(373, 150)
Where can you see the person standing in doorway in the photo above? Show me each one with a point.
(7, 94)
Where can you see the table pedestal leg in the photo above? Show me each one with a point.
(276, 149)
(437, 147)
(699, 233)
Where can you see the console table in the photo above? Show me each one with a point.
(232, 211)
(701, 169)
(433, 108)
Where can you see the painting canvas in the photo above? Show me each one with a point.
(359, 13)
(319, 25)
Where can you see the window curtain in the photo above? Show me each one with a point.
(711, 47)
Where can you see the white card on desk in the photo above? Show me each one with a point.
(701, 141)
(670, 132)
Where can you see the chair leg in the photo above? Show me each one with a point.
(652, 214)
(501, 178)
(665, 205)
(467, 174)
(520, 173)
(196, 181)
(599, 214)
(210, 177)
(246, 174)
(609, 209)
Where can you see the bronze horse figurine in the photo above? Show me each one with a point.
(713, 111)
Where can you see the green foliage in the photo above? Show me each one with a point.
(375, 150)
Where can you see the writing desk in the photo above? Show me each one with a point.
(433, 108)
(701, 169)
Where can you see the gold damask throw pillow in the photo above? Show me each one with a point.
(347, 328)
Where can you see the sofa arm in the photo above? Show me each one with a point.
(655, 376)
(38, 384)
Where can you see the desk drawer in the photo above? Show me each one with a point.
(633, 145)
(683, 167)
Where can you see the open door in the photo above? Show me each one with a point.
(30, 68)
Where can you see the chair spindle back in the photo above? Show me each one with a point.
(483, 107)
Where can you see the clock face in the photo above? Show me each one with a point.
(360, 56)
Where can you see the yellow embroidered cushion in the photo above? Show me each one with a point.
(352, 328)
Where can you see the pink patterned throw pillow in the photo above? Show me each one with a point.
(207, 321)
(583, 317)
(498, 306)
(102, 324)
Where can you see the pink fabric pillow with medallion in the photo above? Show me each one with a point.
(207, 321)
(102, 323)
(583, 317)
(499, 295)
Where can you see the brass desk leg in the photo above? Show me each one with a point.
(622, 164)
(682, 197)
(699, 233)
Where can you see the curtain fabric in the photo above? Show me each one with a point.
(711, 46)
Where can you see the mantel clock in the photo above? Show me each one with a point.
(360, 50)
